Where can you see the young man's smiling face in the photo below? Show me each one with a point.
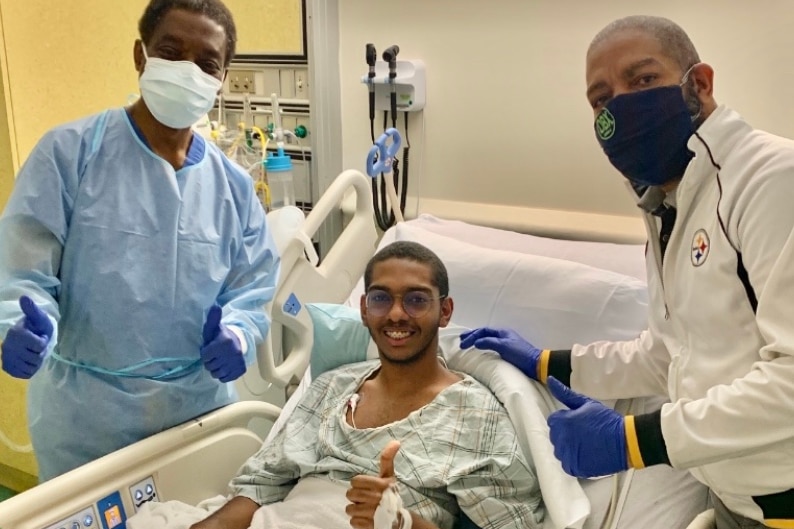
(402, 337)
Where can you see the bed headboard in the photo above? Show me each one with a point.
(552, 223)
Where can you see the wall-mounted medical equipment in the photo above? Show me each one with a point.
(382, 155)
(408, 83)
(380, 161)
(278, 166)
(265, 126)
(278, 171)
(393, 86)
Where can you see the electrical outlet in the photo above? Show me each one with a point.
(301, 85)
(241, 81)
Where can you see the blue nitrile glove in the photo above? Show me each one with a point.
(221, 353)
(508, 343)
(26, 341)
(589, 439)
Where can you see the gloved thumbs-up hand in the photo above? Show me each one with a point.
(365, 492)
(221, 353)
(24, 346)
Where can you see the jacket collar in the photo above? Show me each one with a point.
(718, 135)
(712, 144)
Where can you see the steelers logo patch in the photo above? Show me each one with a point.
(700, 247)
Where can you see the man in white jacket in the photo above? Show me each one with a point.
(720, 261)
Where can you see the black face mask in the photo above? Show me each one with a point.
(644, 134)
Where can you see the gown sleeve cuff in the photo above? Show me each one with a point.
(240, 336)
(53, 339)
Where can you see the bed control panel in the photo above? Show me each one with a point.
(85, 519)
(110, 512)
(142, 492)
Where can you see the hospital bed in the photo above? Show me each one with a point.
(539, 285)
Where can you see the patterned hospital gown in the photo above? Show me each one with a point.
(458, 452)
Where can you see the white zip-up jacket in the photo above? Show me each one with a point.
(722, 349)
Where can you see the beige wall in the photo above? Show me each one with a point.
(53, 74)
(64, 60)
(16, 469)
(6, 162)
(507, 121)
(268, 26)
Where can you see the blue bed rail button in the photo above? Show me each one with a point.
(292, 305)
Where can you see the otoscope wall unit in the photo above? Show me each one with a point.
(409, 84)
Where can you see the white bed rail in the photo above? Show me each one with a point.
(212, 446)
(330, 282)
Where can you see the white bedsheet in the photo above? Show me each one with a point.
(313, 503)
(173, 514)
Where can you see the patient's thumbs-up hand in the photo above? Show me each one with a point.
(366, 492)
(387, 459)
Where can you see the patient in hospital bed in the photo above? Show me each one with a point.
(555, 294)
(329, 465)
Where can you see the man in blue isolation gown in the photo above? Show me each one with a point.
(135, 261)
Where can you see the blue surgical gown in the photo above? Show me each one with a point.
(127, 255)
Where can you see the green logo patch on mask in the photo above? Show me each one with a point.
(605, 124)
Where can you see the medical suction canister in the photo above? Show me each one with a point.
(278, 166)
(279, 178)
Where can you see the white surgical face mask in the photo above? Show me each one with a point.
(178, 93)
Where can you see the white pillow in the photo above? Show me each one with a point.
(627, 259)
(553, 303)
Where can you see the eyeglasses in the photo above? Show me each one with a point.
(415, 303)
